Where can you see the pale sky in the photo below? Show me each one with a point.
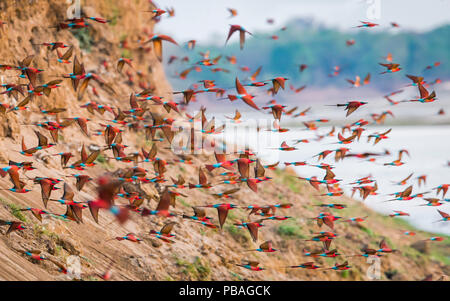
(202, 19)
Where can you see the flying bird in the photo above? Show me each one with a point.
(242, 32)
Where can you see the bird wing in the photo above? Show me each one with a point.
(43, 141)
(243, 169)
(266, 245)
(67, 54)
(328, 221)
(199, 212)
(167, 228)
(259, 169)
(157, 46)
(239, 88)
(329, 175)
(253, 229)
(423, 92)
(202, 180)
(231, 31)
(92, 157)
(83, 126)
(222, 212)
(68, 192)
(254, 75)
(164, 201)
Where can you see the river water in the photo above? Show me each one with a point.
(429, 148)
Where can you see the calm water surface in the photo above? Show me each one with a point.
(429, 147)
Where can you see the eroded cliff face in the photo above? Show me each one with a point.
(29, 25)
(198, 253)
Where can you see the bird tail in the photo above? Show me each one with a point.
(60, 26)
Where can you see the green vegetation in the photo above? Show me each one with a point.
(390, 273)
(238, 235)
(103, 161)
(15, 210)
(411, 253)
(445, 259)
(288, 180)
(236, 277)
(84, 38)
(368, 231)
(439, 250)
(148, 143)
(401, 223)
(42, 231)
(322, 48)
(126, 54)
(196, 269)
(58, 250)
(293, 184)
(115, 12)
(290, 229)
(183, 202)
(115, 17)
(345, 274)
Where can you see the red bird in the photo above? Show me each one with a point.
(425, 96)
(442, 188)
(351, 106)
(307, 265)
(130, 236)
(302, 67)
(233, 12)
(398, 213)
(242, 32)
(251, 265)
(157, 44)
(13, 226)
(242, 94)
(222, 211)
(391, 68)
(278, 82)
(367, 24)
(265, 247)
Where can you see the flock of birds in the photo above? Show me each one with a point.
(159, 128)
